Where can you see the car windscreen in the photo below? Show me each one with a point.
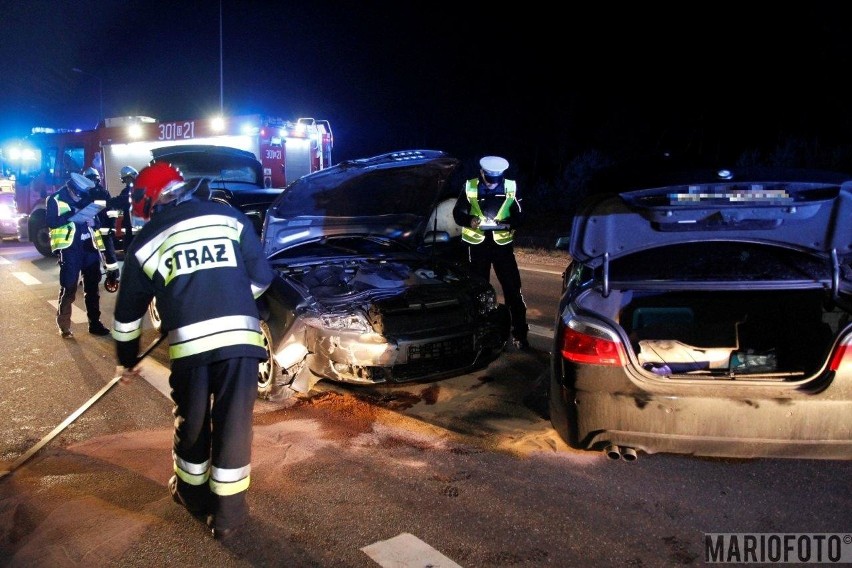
(215, 167)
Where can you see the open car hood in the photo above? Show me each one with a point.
(390, 195)
(808, 211)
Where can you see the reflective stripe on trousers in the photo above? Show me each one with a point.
(213, 412)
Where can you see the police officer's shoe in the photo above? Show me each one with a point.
(66, 334)
(97, 328)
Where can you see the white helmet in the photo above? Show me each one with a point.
(92, 174)
(80, 184)
(128, 172)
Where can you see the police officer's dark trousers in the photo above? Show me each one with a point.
(502, 257)
(213, 409)
(73, 262)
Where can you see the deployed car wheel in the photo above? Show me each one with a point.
(267, 388)
(266, 369)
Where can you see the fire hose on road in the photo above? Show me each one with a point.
(74, 415)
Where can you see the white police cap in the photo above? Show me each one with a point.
(81, 182)
(493, 166)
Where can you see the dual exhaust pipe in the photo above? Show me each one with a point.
(614, 452)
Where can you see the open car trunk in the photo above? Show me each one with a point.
(724, 310)
(732, 334)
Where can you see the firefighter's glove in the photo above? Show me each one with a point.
(112, 279)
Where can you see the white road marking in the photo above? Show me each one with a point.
(5, 260)
(26, 278)
(407, 551)
(156, 374)
(540, 330)
(542, 270)
(77, 315)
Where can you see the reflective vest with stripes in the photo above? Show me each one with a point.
(61, 237)
(476, 236)
(183, 255)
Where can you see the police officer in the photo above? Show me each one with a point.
(78, 242)
(488, 211)
(203, 262)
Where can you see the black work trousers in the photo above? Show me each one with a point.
(489, 254)
(213, 409)
(72, 263)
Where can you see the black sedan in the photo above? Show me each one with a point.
(231, 175)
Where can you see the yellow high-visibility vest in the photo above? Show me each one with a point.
(61, 237)
(476, 236)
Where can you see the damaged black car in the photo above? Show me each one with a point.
(366, 291)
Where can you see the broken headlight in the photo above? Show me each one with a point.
(356, 322)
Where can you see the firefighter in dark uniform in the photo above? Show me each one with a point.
(488, 211)
(203, 262)
(81, 250)
(122, 203)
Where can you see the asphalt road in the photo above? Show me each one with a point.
(462, 472)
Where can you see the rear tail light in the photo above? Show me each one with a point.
(585, 343)
(841, 354)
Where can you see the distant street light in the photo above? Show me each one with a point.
(100, 89)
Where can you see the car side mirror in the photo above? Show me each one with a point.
(563, 243)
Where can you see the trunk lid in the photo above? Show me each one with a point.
(804, 211)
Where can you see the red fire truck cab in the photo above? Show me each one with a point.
(45, 159)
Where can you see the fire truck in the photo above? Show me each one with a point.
(287, 150)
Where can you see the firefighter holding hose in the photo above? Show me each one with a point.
(203, 262)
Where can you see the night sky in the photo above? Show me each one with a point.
(524, 82)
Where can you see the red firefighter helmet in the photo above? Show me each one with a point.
(156, 184)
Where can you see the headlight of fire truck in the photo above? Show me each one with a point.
(7, 211)
(20, 154)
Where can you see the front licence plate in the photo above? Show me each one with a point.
(443, 348)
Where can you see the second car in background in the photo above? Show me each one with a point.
(233, 176)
